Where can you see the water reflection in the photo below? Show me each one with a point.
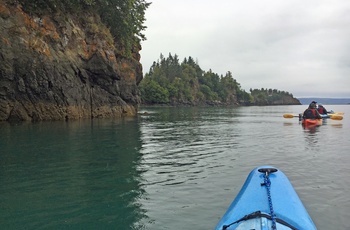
(337, 125)
(316, 128)
(72, 175)
(288, 123)
(169, 168)
(311, 128)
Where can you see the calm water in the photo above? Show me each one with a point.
(169, 168)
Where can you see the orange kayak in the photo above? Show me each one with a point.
(312, 121)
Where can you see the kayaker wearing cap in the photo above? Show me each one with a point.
(321, 109)
(311, 112)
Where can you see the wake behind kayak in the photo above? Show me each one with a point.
(268, 201)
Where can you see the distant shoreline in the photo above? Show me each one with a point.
(326, 101)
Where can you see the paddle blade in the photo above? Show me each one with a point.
(335, 113)
(288, 115)
(336, 117)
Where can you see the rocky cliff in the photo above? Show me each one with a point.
(280, 100)
(57, 66)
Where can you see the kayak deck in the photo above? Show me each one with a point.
(252, 207)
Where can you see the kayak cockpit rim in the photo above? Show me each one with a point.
(259, 214)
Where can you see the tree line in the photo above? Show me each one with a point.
(269, 96)
(171, 82)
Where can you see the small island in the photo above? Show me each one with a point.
(170, 82)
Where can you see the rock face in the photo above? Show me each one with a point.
(282, 100)
(56, 67)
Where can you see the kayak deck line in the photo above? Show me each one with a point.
(267, 200)
(259, 214)
(267, 184)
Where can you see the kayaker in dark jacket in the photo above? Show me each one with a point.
(321, 109)
(311, 112)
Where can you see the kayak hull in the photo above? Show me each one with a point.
(253, 197)
(312, 121)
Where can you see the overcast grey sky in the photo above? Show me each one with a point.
(298, 46)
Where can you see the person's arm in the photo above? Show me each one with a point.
(318, 115)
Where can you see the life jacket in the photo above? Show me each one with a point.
(310, 114)
(321, 110)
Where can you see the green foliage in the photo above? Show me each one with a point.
(268, 96)
(125, 18)
(187, 83)
(208, 93)
(154, 93)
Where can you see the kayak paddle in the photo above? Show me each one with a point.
(333, 117)
(338, 113)
(289, 116)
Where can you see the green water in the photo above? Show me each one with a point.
(169, 168)
(74, 175)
